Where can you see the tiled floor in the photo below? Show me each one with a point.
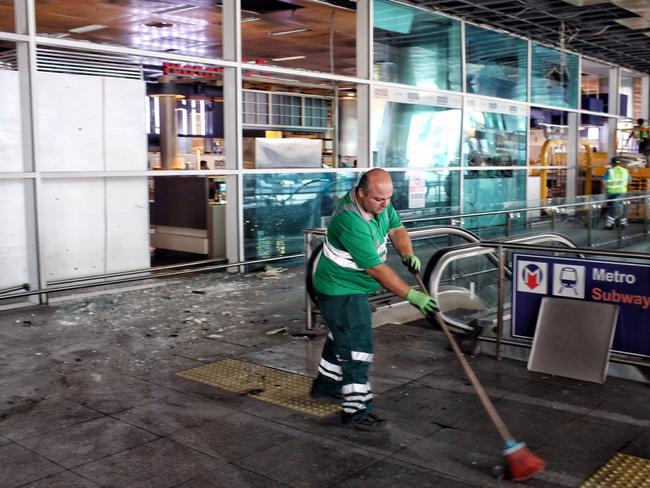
(89, 397)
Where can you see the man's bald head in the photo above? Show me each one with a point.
(374, 190)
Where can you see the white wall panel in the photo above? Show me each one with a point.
(127, 219)
(124, 125)
(13, 234)
(11, 145)
(74, 227)
(70, 122)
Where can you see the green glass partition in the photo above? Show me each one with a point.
(493, 139)
(415, 136)
(425, 194)
(278, 206)
(496, 64)
(416, 47)
(554, 77)
(492, 190)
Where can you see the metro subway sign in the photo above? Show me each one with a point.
(622, 284)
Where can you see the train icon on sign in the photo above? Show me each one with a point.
(568, 281)
(532, 277)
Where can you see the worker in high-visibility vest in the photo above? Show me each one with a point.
(641, 133)
(616, 180)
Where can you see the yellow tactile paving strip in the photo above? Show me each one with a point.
(622, 471)
(271, 385)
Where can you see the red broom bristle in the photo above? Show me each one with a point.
(523, 464)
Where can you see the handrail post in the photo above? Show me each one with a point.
(590, 222)
(553, 211)
(308, 306)
(500, 297)
(646, 215)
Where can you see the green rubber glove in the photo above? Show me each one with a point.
(412, 262)
(424, 302)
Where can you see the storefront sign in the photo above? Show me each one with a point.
(625, 285)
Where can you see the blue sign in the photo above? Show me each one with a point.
(625, 285)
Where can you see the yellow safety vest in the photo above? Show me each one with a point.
(617, 178)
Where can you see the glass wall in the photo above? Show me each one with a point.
(492, 190)
(554, 77)
(138, 158)
(277, 207)
(416, 47)
(414, 136)
(305, 35)
(549, 133)
(594, 86)
(630, 95)
(425, 194)
(494, 139)
(496, 64)
(174, 27)
(298, 122)
(7, 17)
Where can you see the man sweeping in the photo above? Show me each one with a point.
(352, 266)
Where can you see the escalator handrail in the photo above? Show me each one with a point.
(414, 234)
(440, 260)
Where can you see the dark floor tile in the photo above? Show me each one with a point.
(527, 422)
(511, 367)
(67, 479)
(88, 441)
(234, 436)
(468, 457)
(400, 434)
(408, 357)
(452, 378)
(4, 441)
(173, 413)
(584, 446)
(158, 464)
(31, 418)
(109, 391)
(207, 350)
(639, 446)
(563, 390)
(19, 466)
(421, 405)
(394, 474)
(636, 411)
(230, 475)
(309, 461)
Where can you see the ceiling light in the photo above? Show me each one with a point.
(87, 28)
(286, 33)
(172, 10)
(288, 58)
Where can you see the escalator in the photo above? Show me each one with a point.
(425, 241)
(464, 280)
(461, 274)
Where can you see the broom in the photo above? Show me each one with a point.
(521, 463)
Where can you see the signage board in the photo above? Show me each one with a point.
(622, 284)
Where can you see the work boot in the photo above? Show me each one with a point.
(318, 394)
(368, 423)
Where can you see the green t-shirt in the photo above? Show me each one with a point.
(353, 245)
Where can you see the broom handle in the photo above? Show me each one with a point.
(480, 391)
